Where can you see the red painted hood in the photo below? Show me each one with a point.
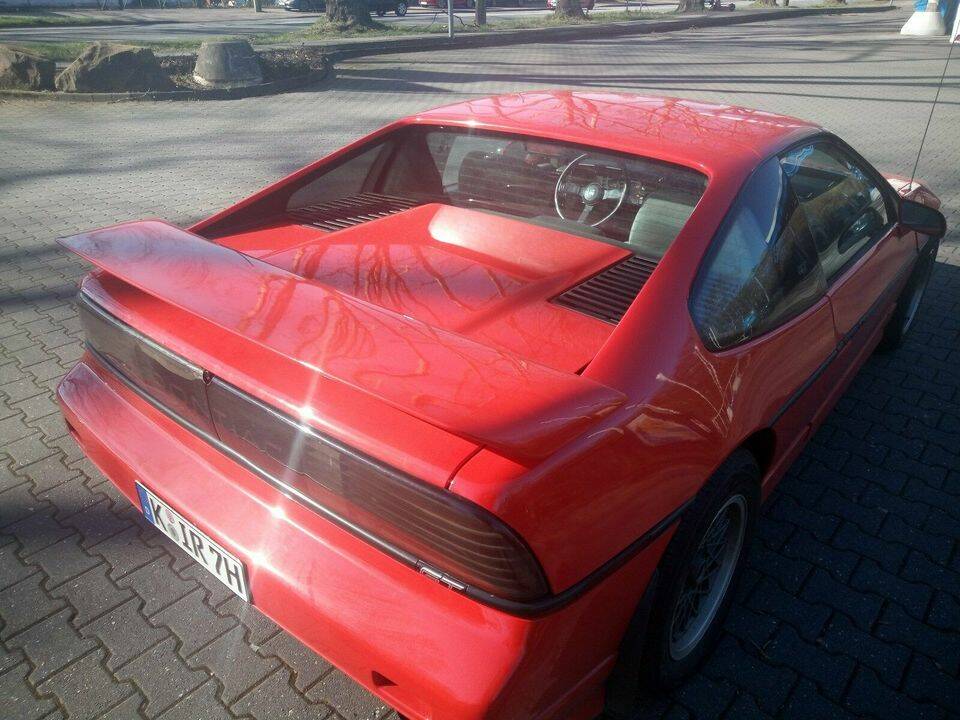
(390, 340)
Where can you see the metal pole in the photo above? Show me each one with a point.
(450, 19)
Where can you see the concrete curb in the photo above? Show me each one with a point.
(344, 49)
(268, 88)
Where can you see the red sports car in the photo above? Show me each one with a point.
(482, 407)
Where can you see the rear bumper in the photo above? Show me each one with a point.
(428, 651)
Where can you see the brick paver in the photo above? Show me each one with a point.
(851, 604)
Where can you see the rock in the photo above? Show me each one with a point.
(104, 67)
(227, 64)
(22, 71)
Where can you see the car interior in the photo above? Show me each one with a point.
(638, 202)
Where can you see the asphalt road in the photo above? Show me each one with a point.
(216, 23)
(850, 606)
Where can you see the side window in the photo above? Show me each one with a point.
(349, 177)
(761, 269)
(845, 208)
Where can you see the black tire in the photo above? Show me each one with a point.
(733, 490)
(401, 9)
(908, 304)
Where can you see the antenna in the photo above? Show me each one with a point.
(932, 108)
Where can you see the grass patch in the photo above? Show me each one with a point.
(324, 30)
(52, 20)
(847, 3)
(68, 51)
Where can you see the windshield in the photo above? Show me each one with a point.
(638, 201)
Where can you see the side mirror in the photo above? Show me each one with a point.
(922, 219)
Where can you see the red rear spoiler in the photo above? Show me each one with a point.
(519, 408)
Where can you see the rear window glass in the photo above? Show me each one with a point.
(622, 198)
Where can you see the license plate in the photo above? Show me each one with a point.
(223, 565)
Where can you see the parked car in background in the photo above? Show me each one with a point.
(442, 4)
(303, 5)
(469, 4)
(585, 4)
(483, 406)
(382, 7)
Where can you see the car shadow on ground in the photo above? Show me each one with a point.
(854, 575)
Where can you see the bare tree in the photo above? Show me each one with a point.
(349, 13)
(480, 12)
(571, 9)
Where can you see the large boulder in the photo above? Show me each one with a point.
(22, 71)
(104, 67)
(227, 64)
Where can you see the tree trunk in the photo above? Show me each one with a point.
(480, 12)
(570, 9)
(690, 6)
(258, 5)
(348, 13)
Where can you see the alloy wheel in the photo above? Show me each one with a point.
(708, 577)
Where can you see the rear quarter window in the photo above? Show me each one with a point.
(761, 269)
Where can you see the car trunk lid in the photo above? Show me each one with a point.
(295, 342)
(484, 276)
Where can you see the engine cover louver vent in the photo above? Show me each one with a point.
(348, 211)
(609, 293)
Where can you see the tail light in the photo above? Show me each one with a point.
(447, 538)
(173, 382)
(452, 540)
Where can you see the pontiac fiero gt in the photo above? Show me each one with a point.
(482, 407)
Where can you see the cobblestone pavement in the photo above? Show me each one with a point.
(851, 604)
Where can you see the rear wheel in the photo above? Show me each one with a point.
(401, 9)
(700, 569)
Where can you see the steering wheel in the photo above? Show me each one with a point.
(591, 192)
